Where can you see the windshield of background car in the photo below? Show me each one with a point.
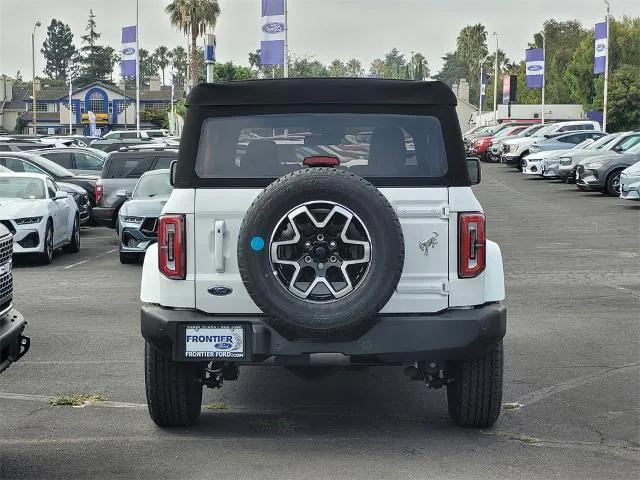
(51, 167)
(123, 167)
(532, 130)
(604, 142)
(371, 145)
(27, 188)
(633, 150)
(153, 185)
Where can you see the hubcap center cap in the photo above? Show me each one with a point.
(320, 254)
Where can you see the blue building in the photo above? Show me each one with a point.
(113, 107)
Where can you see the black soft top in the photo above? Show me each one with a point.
(314, 91)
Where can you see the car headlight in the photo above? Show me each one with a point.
(565, 160)
(28, 220)
(128, 219)
(535, 148)
(597, 164)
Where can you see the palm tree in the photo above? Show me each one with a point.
(337, 68)
(354, 68)
(179, 55)
(419, 67)
(193, 17)
(162, 57)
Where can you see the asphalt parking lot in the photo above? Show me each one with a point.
(572, 361)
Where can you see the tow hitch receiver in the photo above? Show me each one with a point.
(431, 372)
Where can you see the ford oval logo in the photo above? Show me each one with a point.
(128, 51)
(600, 47)
(275, 27)
(223, 346)
(534, 68)
(220, 290)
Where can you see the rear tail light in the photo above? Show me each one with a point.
(99, 193)
(172, 247)
(472, 250)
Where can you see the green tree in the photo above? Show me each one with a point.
(194, 18)
(354, 68)
(378, 69)
(471, 48)
(228, 71)
(162, 56)
(96, 62)
(395, 64)
(179, 57)
(58, 49)
(623, 111)
(148, 66)
(418, 67)
(337, 68)
(306, 67)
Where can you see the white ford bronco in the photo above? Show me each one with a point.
(319, 224)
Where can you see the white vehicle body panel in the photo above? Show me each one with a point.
(62, 213)
(429, 283)
(537, 160)
(630, 182)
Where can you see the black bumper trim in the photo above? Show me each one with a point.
(448, 335)
(13, 345)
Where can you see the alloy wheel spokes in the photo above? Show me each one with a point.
(314, 248)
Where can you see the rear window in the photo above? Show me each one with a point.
(371, 145)
(122, 167)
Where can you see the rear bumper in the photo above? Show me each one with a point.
(103, 216)
(13, 345)
(394, 339)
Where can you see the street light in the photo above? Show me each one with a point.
(33, 78)
(495, 83)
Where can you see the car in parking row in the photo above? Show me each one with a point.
(602, 173)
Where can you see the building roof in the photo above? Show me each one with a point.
(162, 95)
(305, 91)
(17, 102)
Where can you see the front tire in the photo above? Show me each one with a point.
(612, 186)
(74, 245)
(174, 389)
(46, 257)
(475, 395)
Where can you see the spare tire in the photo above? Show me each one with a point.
(320, 251)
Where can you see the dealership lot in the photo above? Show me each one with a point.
(571, 267)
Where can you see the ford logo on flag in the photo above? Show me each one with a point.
(275, 27)
(600, 48)
(534, 68)
(223, 346)
(128, 51)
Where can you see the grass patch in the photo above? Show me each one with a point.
(216, 406)
(278, 425)
(76, 399)
(507, 407)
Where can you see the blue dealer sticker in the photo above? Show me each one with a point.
(257, 243)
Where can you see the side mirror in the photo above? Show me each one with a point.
(172, 173)
(123, 194)
(60, 195)
(617, 148)
(475, 172)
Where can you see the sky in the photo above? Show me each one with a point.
(323, 29)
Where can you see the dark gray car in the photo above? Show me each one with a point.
(81, 161)
(120, 173)
(138, 216)
(603, 172)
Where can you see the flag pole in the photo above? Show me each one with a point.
(480, 99)
(286, 41)
(606, 74)
(495, 84)
(544, 71)
(70, 67)
(137, 73)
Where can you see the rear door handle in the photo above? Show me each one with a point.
(218, 245)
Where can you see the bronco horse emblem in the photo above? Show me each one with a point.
(429, 243)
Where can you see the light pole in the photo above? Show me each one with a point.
(495, 83)
(69, 72)
(33, 77)
(172, 124)
(606, 74)
(544, 71)
(187, 20)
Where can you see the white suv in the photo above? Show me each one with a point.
(513, 151)
(287, 242)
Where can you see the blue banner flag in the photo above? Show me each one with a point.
(128, 52)
(273, 32)
(534, 61)
(600, 56)
(483, 87)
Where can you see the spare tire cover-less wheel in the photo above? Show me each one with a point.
(320, 250)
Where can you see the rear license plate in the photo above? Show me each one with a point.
(215, 341)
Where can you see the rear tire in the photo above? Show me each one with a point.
(174, 389)
(612, 185)
(475, 396)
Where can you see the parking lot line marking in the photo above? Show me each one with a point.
(543, 393)
(92, 258)
(612, 285)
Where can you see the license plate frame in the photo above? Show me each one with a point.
(210, 350)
